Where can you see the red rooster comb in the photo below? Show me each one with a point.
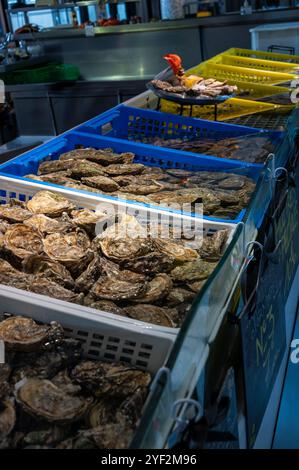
(174, 61)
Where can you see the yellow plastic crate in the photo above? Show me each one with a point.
(251, 63)
(230, 109)
(240, 74)
(264, 55)
(267, 93)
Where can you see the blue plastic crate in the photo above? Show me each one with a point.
(28, 162)
(134, 124)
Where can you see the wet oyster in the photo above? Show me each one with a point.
(43, 399)
(157, 289)
(87, 219)
(49, 269)
(23, 334)
(175, 249)
(46, 225)
(81, 154)
(179, 295)
(71, 249)
(125, 169)
(50, 204)
(84, 168)
(123, 249)
(7, 418)
(143, 187)
(234, 182)
(5, 371)
(197, 285)
(115, 289)
(10, 276)
(14, 214)
(132, 197)
(55, 165)
(3, 227)
(20, 241)
(44, 286)
(151, 263)
(192, 271)
(101, 182)
(49, 436)
(212, 245)
(105, 411)
(63, 381)
(110, 379)
(105, 305)
(150, 313)
(88, 278)
(109, 436)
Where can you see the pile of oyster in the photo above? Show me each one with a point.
(50, 397)
(49, 247)
(222, 194)
(252, 149)
(199, 87)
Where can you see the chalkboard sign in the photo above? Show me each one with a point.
(263, 329)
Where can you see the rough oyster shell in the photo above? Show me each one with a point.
(43, 438)
(43, 399)
(14, 214)
(105, 305)
(143, 187)
(46, 225)
(151, 263)
(212, 245)
(179, 295)
(88, 278)
(54, 166)
(101, 182)
(10, 276)
(88, 219)
(125, 169)
(156, 290)
(44, 286)
(5, 371)
(81, 153)
(151, 314)
(115, 289)
(84, 168)
(192, 271)
(50, 204)
(175, 249)
(109, 436)
(63, 381)
(49, 269)
(71, 249)
(20, 241)
(197, 285)
(3, 227)
(7, 418)
(23, 334)
(122, 249)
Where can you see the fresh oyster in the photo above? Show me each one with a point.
(234, 182)
(87, 219)
(110, 379)
(20, 241)
(122, 249)
(71, 249)
(143, 187)
(62, 380)
(179, 295)
(105, 305)
(81, 153)
(105, 411)
(54, 165)
(7, 418)
(212, 245)
(116, 289)
(151, 263)
(14, 214)
(45, 267)
(101, 182)
(125, 169)
(175, 249)
(151, 314)
(84, 168)
(49, 436)
(3, 227)
(157, 289)
(109, 436)
(50, 204)
(192, 271)
(43, 399)
(10, 276)
(46, 225)
(127, 226)
(5, 371)
(44, 286)
(61, 177)
(197, 285)
(23, 334)
(131, 197)
(88, 278)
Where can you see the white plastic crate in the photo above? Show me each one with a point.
(53, 309)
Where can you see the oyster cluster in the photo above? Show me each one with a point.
(249, 148)
(49, 247)
(51, 397)
(202, 88)
(221, 194)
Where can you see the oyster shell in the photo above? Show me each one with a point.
(196, 286)
(3, 227)
(212, 245)
(43, 399)
(5, 371)
(85, 168)
(105, 305)
(115, 289)
(14, 214)
(133, 197)
(54, 166)
(49, 269)
(175, 249)
(87, 279)
(179, 295)
(109, 436)
(125, 169)
(10, 276)
(46, 225)
(71, 249)
(233, 182)
(143, 187)
(87, 219)
(7, 418)
(62, 380)
(123, 249)
(197, 270)
(20, 241)
(101, 182)
(50, 204)
(45, 437)
(156, 290)
(151, 314)
(23, 334)
(44, 286)
(151, 263)
(81, 154)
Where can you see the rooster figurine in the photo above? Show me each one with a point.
(175, 62)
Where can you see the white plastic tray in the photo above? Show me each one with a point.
(24, 301)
